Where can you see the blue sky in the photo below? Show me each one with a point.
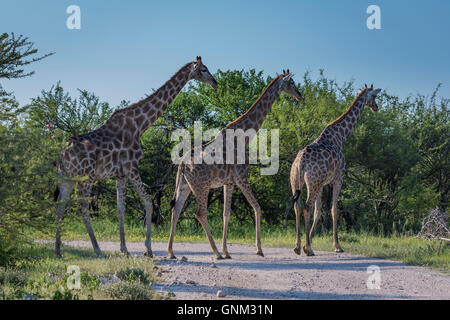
(126, 48)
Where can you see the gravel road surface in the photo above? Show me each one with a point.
(281, 274)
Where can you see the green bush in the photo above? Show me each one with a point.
(133, 290)
(12, 277)
(133, 275)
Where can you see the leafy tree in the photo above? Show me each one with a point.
(16, 53)
(430, 123)
(22, 177)
(380, 153)
(55, 109)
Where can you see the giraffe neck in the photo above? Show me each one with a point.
(340, 129)
(256, 114)
(138, 117)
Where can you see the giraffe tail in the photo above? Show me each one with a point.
(295, 196)
(293, 199)
(177, 183)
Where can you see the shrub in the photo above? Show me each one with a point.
(13, 277)
(133, 275)
(130, 291)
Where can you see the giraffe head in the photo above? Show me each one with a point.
(201, 73)
(369, 95)
(288, 85)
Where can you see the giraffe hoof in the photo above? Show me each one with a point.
(125, 253)
(298, 251)
(308, 252)
(148, 255)
(260, 253)
(338, 250)
(227, 256)
(171, 256)
(219, 257)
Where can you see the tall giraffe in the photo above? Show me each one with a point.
(113, 151)
(200, 178)
(321, 163)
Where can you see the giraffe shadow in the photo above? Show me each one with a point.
(247, 293)
(279, 266)
(160, 253)
(319, 265)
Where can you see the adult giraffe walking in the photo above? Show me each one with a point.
(201, 177)
(321, 163)
(113, 151)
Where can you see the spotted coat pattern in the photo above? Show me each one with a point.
(113, 151)
(321, 163)
(200, 178)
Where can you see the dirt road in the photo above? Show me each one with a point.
(283, 275)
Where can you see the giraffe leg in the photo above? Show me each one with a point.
(65, 189)
(317, 214)
(139, 186)
(334, 212)
(247, 191)
(202, 203)
(298, 241)
(121, 185)
(296, 187)
(310, 200)
(227, 191)
(182, 194)
(84, 191)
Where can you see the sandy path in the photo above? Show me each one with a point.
(283, 275)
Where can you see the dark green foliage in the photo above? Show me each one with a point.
(64, 295)
(56, 109)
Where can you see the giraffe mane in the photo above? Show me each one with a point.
(257, 100)
(349, 108)
(131, 106)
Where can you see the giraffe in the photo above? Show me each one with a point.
(200, 178)
(322, 163)
(113, 151)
